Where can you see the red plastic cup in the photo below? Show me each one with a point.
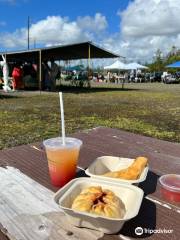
(62, 159)
(170, 187)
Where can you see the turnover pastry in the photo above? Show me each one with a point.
(133, 172)
(98, 201)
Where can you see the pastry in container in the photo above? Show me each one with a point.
(119, 169)
(131, 196)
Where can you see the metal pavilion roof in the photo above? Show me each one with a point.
(82, 50)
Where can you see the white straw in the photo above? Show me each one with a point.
(62, 118)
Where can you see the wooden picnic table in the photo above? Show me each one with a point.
(155, 213)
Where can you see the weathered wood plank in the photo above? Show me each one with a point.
(163, 155)
(51, 226)
(27, 211)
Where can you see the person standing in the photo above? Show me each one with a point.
(46, 72)
(53, 74)
(17, 74)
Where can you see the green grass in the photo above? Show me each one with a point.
(148, 109)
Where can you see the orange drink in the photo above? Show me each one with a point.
(62, 159)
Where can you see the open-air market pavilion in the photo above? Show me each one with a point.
(82, 50)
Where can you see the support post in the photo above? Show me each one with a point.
(89, 58)
(40, 71)
(89, 63)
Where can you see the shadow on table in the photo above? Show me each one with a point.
(146, 220)
(150, 184)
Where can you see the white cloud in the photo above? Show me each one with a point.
(151, 18)
(145, 27)
(96, 24)
(55, 29)
(12, 40)
(140, 49)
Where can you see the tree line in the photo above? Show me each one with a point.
(160, 62)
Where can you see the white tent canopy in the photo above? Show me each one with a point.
(135, 66)
(116, 65)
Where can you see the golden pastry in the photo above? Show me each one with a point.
(98, 201)
(83, 202)
(132, 172)
(98, 208)
(95, 191)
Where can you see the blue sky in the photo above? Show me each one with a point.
(132, 28)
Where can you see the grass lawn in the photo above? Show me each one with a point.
(148, 109)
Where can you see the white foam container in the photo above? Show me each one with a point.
(105, 164)
(130, 195)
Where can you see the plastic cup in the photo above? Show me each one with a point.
(170, 187)
(62, 159)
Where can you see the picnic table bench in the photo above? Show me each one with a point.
(27, 211)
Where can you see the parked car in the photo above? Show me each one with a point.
(170, 78)
(156, 77)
